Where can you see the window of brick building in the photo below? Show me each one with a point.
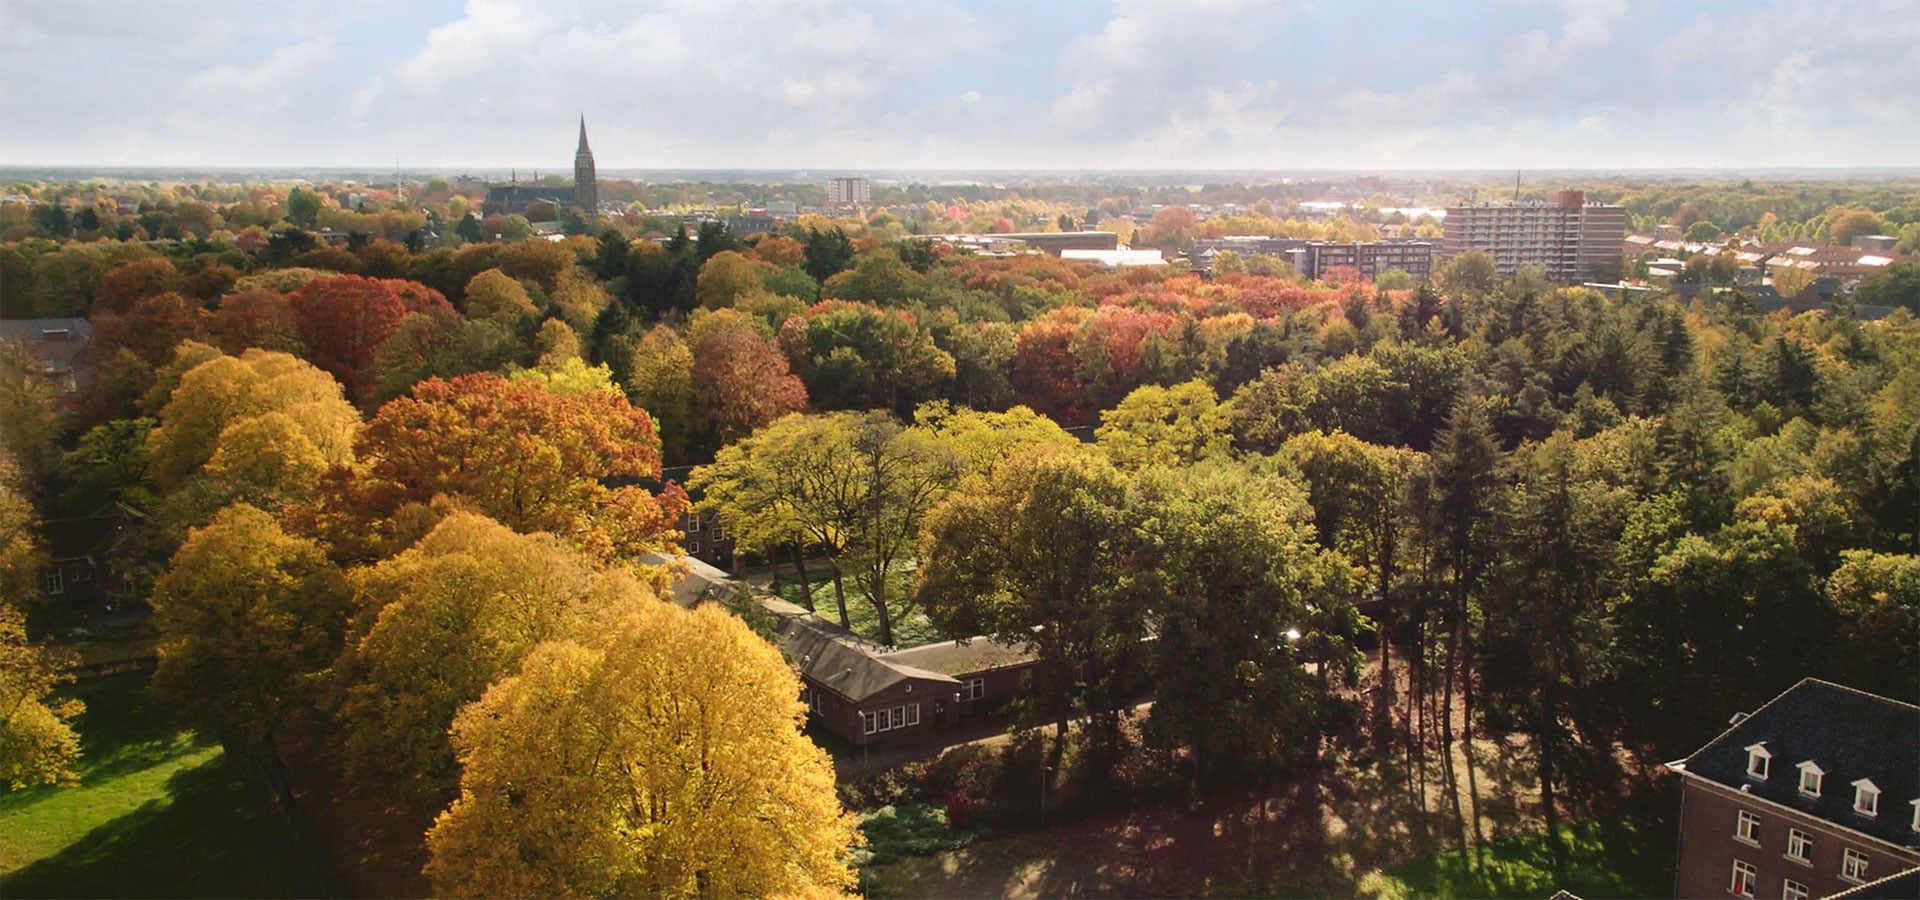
(1744, 875)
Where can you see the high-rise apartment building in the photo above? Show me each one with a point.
(849, 191)
(1572, 239)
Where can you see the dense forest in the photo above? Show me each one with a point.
(389, 502)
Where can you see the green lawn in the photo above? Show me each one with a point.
(910, 628)
(1604, 861)
(157, 814)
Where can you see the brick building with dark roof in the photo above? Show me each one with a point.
(867, 693)
(1814, 794)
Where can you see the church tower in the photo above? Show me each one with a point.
(586, 191)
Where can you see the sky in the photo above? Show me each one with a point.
(962, 84)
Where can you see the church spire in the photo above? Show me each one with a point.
(586, 188)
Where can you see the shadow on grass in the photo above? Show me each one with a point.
(1617, 860)
(216, 837)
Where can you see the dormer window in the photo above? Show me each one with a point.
(1757, 759)
(1810, 776)
(1866, 798)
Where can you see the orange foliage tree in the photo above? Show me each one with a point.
(529, 458)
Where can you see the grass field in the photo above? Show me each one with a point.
(157, 814)
(1603, 861)
(910, 627)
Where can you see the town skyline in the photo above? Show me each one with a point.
(1070, 86)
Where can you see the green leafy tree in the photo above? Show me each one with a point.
(1239, 599)
(1175, 426)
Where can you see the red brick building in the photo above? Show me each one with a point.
(1815, 794)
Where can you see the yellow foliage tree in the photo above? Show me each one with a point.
(225, 390)
(37, 743)
(492, 296)
(444, 619)
(663, 758)
(247, 614)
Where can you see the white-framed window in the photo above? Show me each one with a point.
(717, 533)
(1916, 814)
(83, 572)
(1793, 890)
(1744, 876)
(1866, 798)
(693, 548)
(889, 719)
(1853, 865)
(1748, 828)
(1799, 845)
(973, 689)
(1810, 777)
(1757, 761)
(56, 583)
(693, 522)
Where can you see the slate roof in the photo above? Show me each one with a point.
(963, 657)
(843, 662)
(1851, 734)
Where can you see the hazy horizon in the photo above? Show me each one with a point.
(847, 85)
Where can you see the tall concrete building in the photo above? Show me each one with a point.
(1572, 239)
(849, 191)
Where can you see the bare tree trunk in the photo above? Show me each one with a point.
(800, 567)
(1446, 733)
(840, 595)
(1545, 746)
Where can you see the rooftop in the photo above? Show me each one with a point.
(1849, 733)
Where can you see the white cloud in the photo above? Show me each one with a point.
(946, 83)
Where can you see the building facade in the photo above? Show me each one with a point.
(1315, 259)
(1571, 239)
(849, 191)
(1369, 258)
(1815, 794)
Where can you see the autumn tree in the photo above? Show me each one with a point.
(855, 356)
(493, 296)
(1175, 426)
(661, 382)
(314, 422)
(439, 622)
(37, 741)
(343, 320)
(725, 277)
(740, 378)
(30, 407)
(529, 457)
(662, 757)
(248, 615)
(857, 485)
